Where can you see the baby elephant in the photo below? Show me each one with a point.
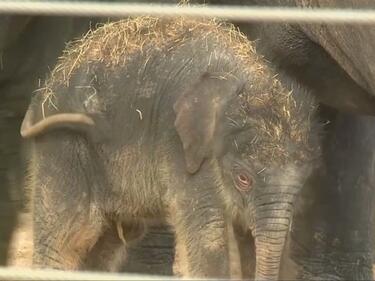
(174, 119)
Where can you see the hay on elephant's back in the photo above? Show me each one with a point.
(113, 44)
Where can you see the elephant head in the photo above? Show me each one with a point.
(266, 144)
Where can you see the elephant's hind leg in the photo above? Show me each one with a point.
(63, 245)
(109, 253)
(66, 220)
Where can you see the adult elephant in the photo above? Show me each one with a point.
(331, 60)
(29, 47)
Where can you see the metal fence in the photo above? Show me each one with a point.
(47, 274)
(238, 13)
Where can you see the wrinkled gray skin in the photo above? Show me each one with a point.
(29, 47)
(340, 234)
(134, 169)
(25, 59)
(332, 234)
(334, 62)
(353, 55)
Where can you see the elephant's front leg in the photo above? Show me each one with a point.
(201, 236)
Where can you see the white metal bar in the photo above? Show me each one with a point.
(238, 13)
(26, 274)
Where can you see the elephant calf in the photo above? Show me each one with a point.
(179, 119)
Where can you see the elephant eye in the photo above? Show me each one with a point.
(243, 180)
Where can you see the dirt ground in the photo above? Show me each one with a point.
(21, 245)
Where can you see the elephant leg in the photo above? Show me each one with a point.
(153, 254)
(109, 253)
(201, 230)
(180, 267)
(246, 249)
(63, 245)
(66, 220)
(62, 236)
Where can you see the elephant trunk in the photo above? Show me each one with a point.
(269, 248)
(272, 225)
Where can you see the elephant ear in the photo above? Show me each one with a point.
(198, 113)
